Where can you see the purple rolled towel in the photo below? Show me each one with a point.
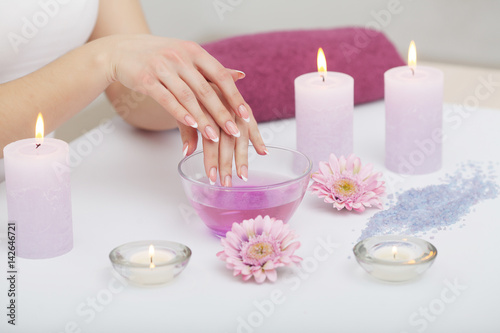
(273, 60)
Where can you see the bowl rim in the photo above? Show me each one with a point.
(248, 188)
(182, 253)
(411, 239)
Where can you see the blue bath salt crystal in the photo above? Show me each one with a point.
(435, 207)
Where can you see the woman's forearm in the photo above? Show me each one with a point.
(59, 91)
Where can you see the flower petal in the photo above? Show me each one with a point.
(259, 276)
(238, 230)
(342, 164)
(356, 167)
(271, 275)
(324, 169)
(349, 166)
(334, 164)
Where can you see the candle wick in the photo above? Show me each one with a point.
(412, 71)
(37, 145)
(323, 78)
(394, 255)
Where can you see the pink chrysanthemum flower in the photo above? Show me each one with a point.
(257, 247)
(346, 184)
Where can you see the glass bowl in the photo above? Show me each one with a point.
(150, 262)
(395, 258)
(276, 185)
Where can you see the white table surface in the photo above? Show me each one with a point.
(128, 189)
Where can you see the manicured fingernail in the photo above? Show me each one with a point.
(227, 181)
(241, 75)
(213, 176)
(266, 151)
(244, 173)
(190, 121)
(209, 131)
(185, 149)
(231, 127)
(244, 113)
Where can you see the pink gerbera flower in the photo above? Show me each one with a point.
(347, 184)
(257, 247)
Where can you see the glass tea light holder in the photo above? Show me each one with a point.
(395, 258)
(150, 262)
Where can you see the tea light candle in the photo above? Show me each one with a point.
(156, 260)
(150, 262)
(324, 103)
(413, 117)
(395, 258)
(393, 254)
(152, 257)
(37, 180)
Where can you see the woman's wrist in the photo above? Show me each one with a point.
(101, 51)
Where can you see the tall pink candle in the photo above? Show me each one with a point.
(413, 118)
(324, 114)
(37, 181)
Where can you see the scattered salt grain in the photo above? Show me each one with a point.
(435, 207)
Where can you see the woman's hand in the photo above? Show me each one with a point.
(218, 156)
(182, 77)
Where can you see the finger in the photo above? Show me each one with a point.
(207, 96)
(241, 151)
(236, 74)
(189, 137)
(168, 101)
(211, 156)
(186, 97)
(213, 71)
(255, 137)
(226, 148)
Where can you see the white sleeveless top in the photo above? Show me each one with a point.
(34, 33)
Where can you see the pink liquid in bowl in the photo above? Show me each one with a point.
(220, 209)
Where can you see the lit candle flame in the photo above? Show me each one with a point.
(412, 57)
(39, 131)
(394, 252)
(321, 63)
(151, 255)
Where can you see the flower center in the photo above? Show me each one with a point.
(260, 250)
(345, 187)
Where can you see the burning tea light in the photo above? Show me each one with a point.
(395, 258)
(152, 257)
(150, 262)
(393, 254)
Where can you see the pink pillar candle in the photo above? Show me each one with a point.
(324, 115)
(39, 197)
(413, 119)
